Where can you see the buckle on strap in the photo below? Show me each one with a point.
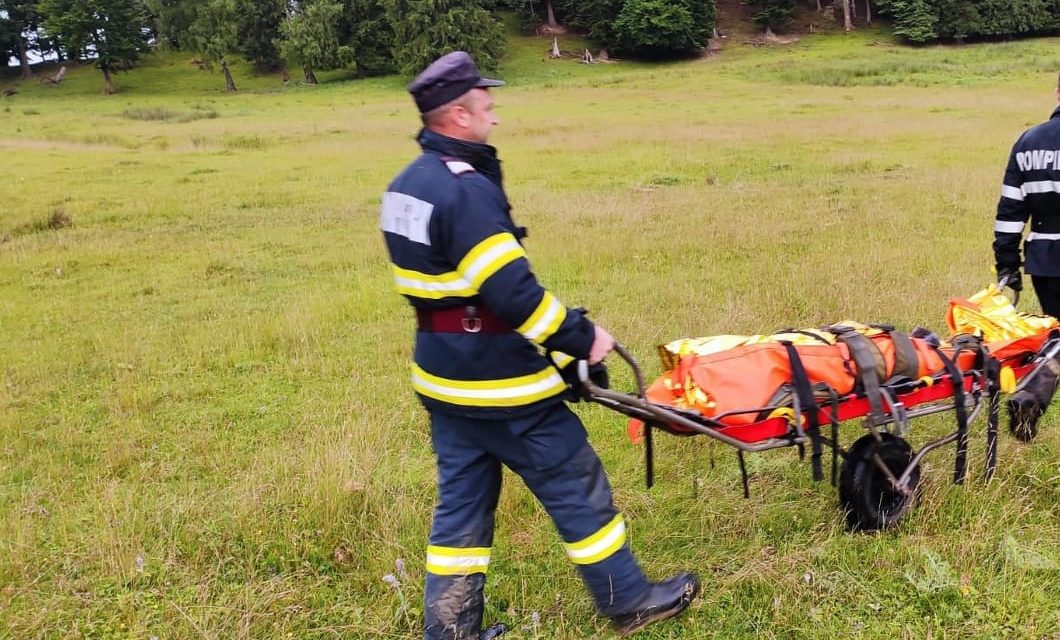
(471, 323)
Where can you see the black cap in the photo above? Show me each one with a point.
(446, 79)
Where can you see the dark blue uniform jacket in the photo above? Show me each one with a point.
(452, 243)
(1031, 192)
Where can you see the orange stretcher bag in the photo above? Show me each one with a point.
(738, 383)
(740, 379)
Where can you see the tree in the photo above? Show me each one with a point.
(914, 20)
(114, 32)
(311, 38)
(655, 29)
(773, 15)
(367, 29)
(23, 18)
(214, 32)
(426, 29)
(594, 18)
(258, 29)
(171, 21)
(848, 25)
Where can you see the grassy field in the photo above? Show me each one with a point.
(206, 425)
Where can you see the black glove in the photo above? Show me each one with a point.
(575, 390)
(1009, 277)
(598, 375)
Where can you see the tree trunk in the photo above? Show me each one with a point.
(230, 84)
(108, 84)
(23, 59)
(853, 9)
(819, 8)
(868, 12)
(551, 14)
(310, 77)
(847, 24)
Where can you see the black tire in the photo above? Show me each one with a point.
(1024, 413)
(865, 493)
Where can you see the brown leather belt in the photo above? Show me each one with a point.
(460, 320)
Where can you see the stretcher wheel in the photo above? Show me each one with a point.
(1024, 412)
(865, 492)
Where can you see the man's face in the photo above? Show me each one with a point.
(479, 118)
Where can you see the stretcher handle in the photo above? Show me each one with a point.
(583, 371)
(1003, 282)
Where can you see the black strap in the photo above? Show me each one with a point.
(962, 414)
(807, 405)
(865, 356)
(906, 362)
(834, 420)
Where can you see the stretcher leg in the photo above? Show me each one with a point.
(993, 386)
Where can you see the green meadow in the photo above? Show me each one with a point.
(206, 424)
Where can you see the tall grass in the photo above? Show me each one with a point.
(207, 428)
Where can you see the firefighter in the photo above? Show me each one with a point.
(494, 399)
(1031, 192)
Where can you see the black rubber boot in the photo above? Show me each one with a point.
(453, 607)
(665, 600)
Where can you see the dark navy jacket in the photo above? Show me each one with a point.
(452, 243)
(1031, 191)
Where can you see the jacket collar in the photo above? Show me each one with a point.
(1056, 113)
(481, 156)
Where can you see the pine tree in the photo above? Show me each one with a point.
(366, 28)
(655, 29)
(258, 29)
(427, 29)
(914, 20)
(773, 15)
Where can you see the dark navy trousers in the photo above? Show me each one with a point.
(551, 452)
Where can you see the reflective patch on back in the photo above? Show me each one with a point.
(406, 216)
(458, 167)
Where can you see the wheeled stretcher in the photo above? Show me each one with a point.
(880, 470)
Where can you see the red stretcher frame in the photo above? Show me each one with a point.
(911, 400)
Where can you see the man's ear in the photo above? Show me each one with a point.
(461, 116)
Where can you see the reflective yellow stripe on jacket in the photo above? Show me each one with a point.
(488, 257)
(599, 546)
(503, 392)
(545, 320)
(450, 561)
(432, 286)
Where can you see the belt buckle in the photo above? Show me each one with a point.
(471, 322)
(471, 325)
